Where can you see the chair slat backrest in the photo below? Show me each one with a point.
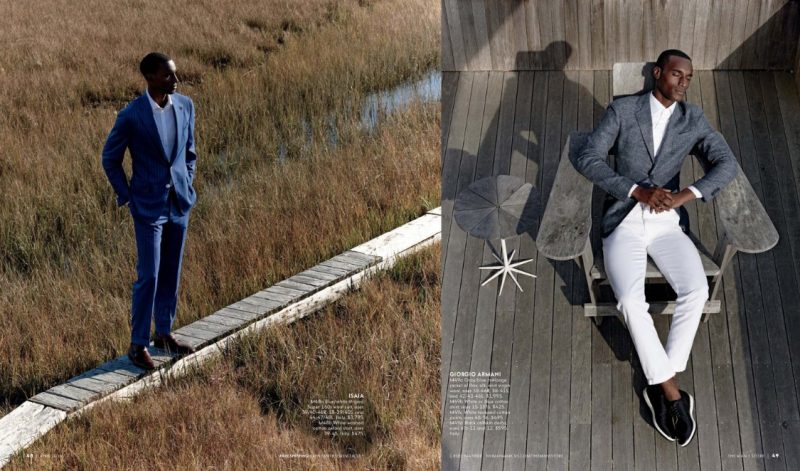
(632, 78)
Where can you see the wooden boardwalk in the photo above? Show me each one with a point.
(283, 302)
(574, 398)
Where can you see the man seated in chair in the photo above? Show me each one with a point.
(651, 134)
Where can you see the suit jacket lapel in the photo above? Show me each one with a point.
(646, 124)
(149, 124)
(179, 121)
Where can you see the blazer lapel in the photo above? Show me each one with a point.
(177, 107)
(149, 124)
(646, 124)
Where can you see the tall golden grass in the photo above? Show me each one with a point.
(256, 70)
(245, 410)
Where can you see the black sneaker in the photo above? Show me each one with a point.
(659, 412)
(682, 413)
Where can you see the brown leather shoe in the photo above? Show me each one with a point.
(171, 344)
(141, 357)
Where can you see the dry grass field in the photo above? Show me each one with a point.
(244, 410)
(256, 70)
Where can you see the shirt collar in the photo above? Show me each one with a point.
(657, 108)
(153, 105)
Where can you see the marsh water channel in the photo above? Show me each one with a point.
(378, 106)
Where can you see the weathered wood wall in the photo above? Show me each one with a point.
(594, 34)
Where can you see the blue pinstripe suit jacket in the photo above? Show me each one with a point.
(154, 173)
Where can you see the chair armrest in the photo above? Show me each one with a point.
(747, 225)
(567, 219)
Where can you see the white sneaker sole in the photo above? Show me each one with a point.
(653, 416)
(694, 422)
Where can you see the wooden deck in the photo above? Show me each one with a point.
(574, 398)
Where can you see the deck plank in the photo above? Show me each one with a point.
(470, 275)
(746, 410)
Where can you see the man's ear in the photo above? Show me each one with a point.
(656, 72)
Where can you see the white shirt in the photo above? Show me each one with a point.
(660, 118)
(165, 122)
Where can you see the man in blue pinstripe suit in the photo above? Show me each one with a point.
(158, 129)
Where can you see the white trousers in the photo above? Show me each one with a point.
(625, 252)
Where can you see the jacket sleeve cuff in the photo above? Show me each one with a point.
(630, 192)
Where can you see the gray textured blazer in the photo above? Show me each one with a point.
(626, 131)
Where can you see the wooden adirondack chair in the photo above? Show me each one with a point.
(565, 232)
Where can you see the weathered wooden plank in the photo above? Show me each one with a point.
(475, 251)
(756, 329)
(490, 442)
(322, 277)
(401, 239)
(223, 319)
(73, 392)
(746, 410)
(122, 365)
(272, 295)
(314, 281)
(338, 272)
(508, 323)
(470, 275)
(96, 379)
(364, 259)
(522, 126)
(23, 425)
(581, 340)
(237, 314)
(452, 257)
(666, 452)
(622, 443)
(725, 424)
(57, 402)
(663, 308)
(450, 11)
(789, 105)
(561, 317)
(599, 272)
(249, 308)
(584, 49)
(602, 357)
(686, 37)
(292, 292)
(446, 47)
(349, 268)
(296, 285)
(610, 30)
(599, 50)
(727, 16)
(468, 35)
(94, 384)
(539, 406)
(572, 34)
(482, 57)
(199, 332)
(192, 341)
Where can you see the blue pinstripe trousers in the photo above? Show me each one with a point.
(159, 246)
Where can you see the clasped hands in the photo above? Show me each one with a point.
(660, 199)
